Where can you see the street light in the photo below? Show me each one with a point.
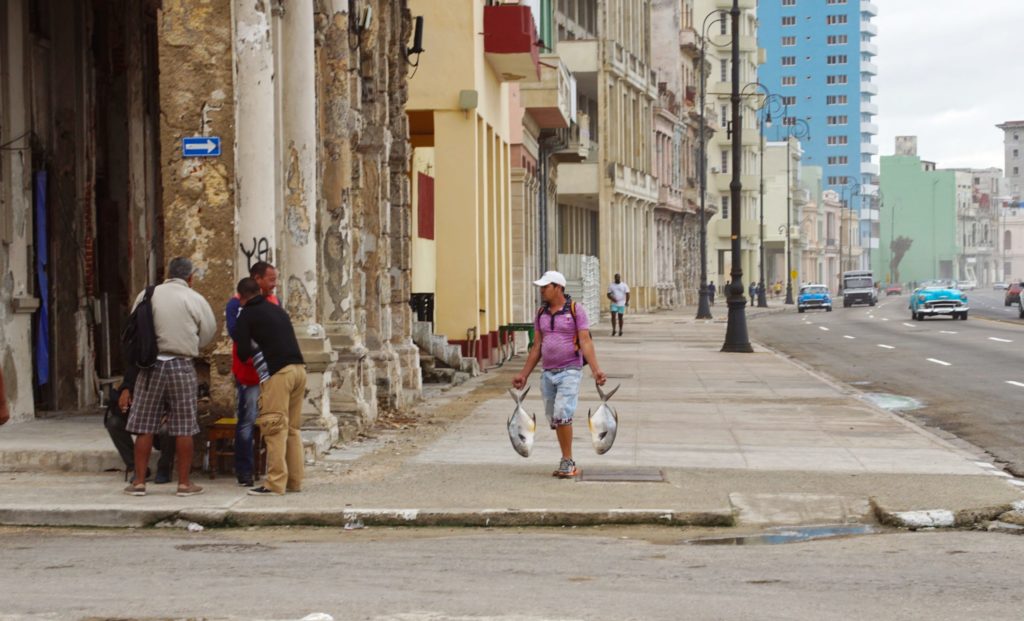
(703, 307)
(847, 192)
(736, 338)
(799, 129)
(765, 111)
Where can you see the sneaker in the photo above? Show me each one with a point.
(190, 490)
(566, 469)
(135, 490)
(162, 477)
(246, 483)
(263, 491)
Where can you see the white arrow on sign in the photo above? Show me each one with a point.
(209, 145)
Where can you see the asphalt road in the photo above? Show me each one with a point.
(503, 575)
(969, 375)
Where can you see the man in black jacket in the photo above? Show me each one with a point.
(268, 327)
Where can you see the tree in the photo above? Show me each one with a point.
(898, 247)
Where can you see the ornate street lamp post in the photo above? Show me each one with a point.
(703, 307)
(736, 338)
(799, 129)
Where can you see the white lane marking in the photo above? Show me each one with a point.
(885, 319)
(1013, 383)
(823, 328)
(996, 338)
(942, 362)
(847, 336)
(909, 325)
(947, 331)
(886, 346)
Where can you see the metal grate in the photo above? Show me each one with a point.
(621, 475)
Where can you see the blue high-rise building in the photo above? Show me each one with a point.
(820, 61)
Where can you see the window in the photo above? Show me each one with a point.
(838, 180)
(789, 121)
(788, 41)
(788, 2)
(788, 61)
(724, 70)
(835, 79)
(837, 40)
(836, 140)
(725, 207)
(835, 100)
(1016, 153)
(838, 160)
(837, 120)
(789, 80)
(725, 160)
(832, 20)
(835, 1)
(789, 20)
(789, 101)
(725, 115)
(1016, 171)
(836, 59)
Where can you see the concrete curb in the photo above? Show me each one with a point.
(228, 518)
(938, 518)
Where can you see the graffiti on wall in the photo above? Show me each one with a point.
(260, 251)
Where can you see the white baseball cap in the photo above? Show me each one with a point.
(550, 278)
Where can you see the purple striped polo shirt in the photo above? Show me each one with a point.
(558, 336)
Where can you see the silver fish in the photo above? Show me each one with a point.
(521, 425)
(604, 423)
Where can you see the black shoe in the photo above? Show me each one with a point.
(245, 483)
(162, 477)
(262, 491)
(613, 332)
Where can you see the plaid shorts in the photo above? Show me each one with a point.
(169, 389)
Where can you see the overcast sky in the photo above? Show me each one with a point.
(949, 71)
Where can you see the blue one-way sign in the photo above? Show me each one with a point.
(200, 146)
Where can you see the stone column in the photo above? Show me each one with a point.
(353, 399)
(299, 239)
(255, 167)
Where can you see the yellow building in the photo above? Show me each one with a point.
(459, 123)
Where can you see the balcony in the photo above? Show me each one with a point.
(579, 181)
(689, 42)
(868, 67)
(869, 87)
(575, 140)
(869, 148)
(869, 128)
(867, 107)
(866, 6)
(721, 181)
(549, 101)
(635, 183)
(670, 198)
(868, 28)
(867, 168)
(869, 48)
(510, 46)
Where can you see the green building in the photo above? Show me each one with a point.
(918, 208)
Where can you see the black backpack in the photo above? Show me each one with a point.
(139, 334)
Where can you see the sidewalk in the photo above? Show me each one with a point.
(749, 439)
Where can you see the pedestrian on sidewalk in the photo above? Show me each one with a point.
(119, 403)
(563, 345)
(618, 293)
(184, 324)
(268, 327)
(5, 414)
(753, 291)
(711, 293)
(247, 380)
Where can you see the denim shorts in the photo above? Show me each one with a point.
(619, 308)
(561, 391)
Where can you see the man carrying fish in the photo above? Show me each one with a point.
(563, 344)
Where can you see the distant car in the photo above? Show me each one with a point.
(1013, 294)
(938, 298)
(1000, 286)
(814, 296)
(967, 285)
(894, 289)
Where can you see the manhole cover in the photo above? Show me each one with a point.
(223, 548)
(621, 475)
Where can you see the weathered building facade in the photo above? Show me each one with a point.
(312, 174)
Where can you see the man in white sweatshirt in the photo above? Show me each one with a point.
(184, 324)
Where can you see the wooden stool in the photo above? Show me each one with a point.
(223, 429)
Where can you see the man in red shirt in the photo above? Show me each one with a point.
(247, 379)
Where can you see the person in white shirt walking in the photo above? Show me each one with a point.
(618, 293)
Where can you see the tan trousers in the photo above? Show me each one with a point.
(279, 421)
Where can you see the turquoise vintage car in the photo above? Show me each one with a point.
(813, 296)
(938, 297)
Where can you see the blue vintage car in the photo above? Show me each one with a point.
(813, 296)
(938, 297)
